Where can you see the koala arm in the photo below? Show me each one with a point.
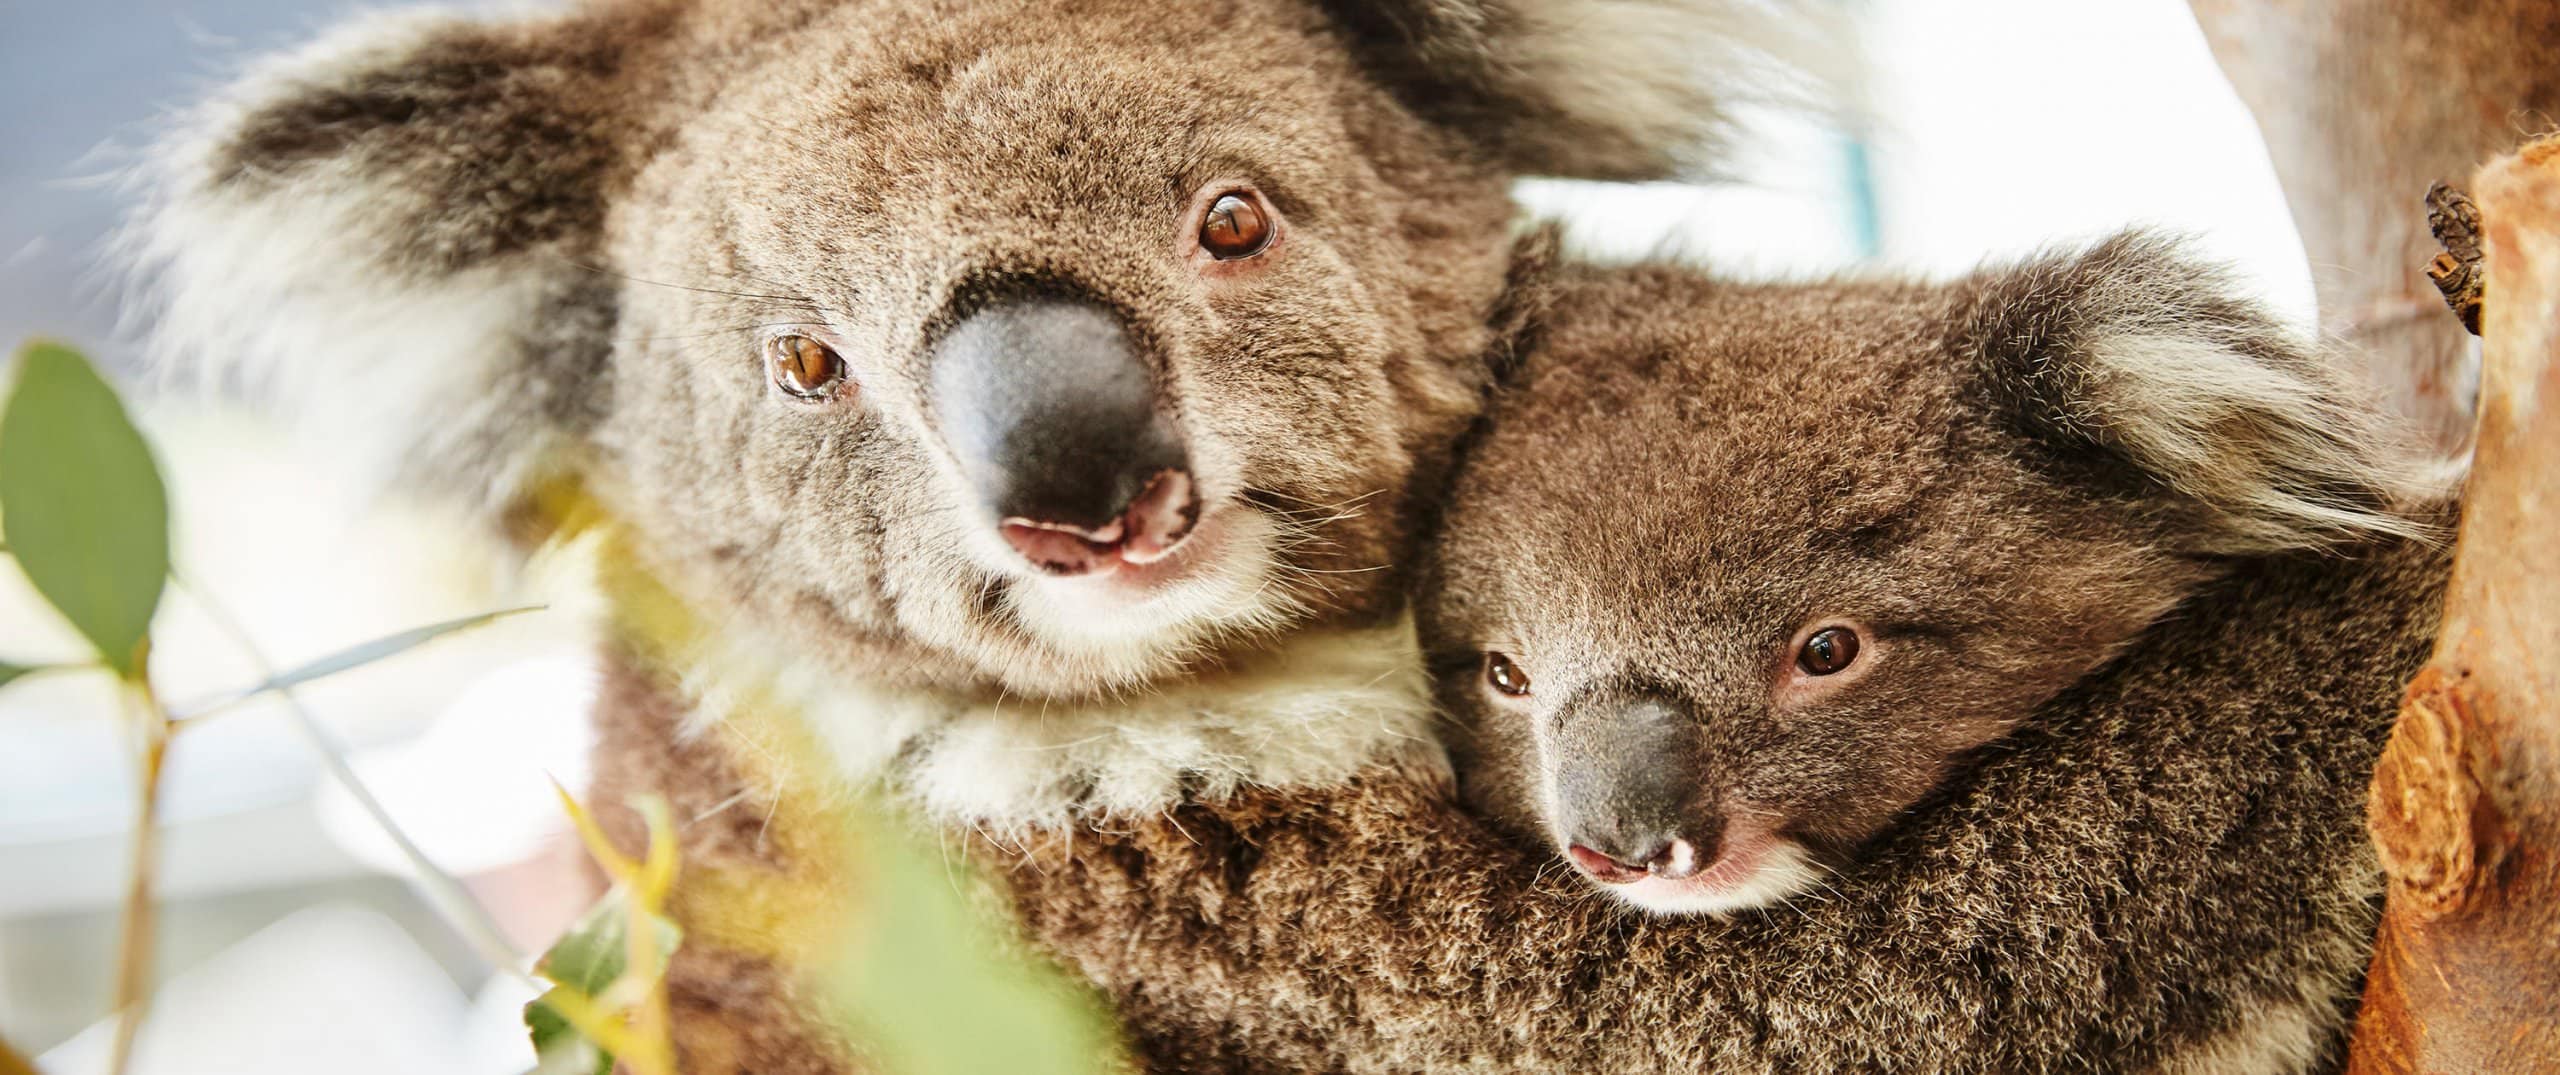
(2165, 870)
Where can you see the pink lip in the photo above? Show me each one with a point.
(1149, 574)
(1155, 525)
(1732, 867)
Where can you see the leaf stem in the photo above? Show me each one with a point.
(442, 891)
(11, 1063)
(134, 965)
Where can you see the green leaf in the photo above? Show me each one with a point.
(939, 991)
(585, 962)
(595, 951)
(558, 1048)
(81, 505)
(356, 657)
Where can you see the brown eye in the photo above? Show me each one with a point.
(1828, 651)
(1237, 227)
(1505, 676)
(804, 367)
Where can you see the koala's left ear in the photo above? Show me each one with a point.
(1519, 315)
(2142, 362)
(1600, 89)
(385, 235)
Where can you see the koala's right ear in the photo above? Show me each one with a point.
(384, 233)
(1599, 89)
(2132, 358)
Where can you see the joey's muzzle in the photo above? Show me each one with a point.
(1052, 410)
(1628, 790)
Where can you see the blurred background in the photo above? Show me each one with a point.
(293, 937)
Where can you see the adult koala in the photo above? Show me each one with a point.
(1028, 393)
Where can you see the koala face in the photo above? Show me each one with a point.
(1008, 348)
(1739, 574)
(1055, 373)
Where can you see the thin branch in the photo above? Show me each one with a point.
(134, 965)
(13, 1063)
(443, 892)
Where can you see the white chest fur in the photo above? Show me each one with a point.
(1313, 712)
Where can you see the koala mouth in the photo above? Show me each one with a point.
(1158, 521)
(1751, 871)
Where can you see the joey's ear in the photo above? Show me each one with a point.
(1519, 315)
(1599, 89)
(386, 233)
(2136, 360)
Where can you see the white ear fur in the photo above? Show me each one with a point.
(287, 285)
(2135, 349)
(1605, 89)
(2284, 460)
(1671, 74)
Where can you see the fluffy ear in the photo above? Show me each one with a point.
(1598, 89)
(384, 233)
(2136, 362)
(1519, 316)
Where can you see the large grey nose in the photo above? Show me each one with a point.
(1052, 409)
(1627, 785)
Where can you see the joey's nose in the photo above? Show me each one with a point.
(1052, 410)
(1670, 858)
(1630, 786)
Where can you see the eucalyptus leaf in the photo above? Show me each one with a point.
(558, 1048)
(357, 657)
(585, 962)
(596, 951)
(82, 507)
(937, 990)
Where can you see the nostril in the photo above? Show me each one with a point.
(1059, 549)
(1150, 528)
(1161, 517)
(1670, 860)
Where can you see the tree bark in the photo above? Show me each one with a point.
(2466, 801)
(2363, 104)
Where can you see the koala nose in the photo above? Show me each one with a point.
(1627, 783)
(1669, 858)
(1052, 411)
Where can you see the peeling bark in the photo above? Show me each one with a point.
(2466, 801)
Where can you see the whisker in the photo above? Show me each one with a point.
(707, 335)
(599, 270)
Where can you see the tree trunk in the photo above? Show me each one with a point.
(2466, 801)
(2363, 104)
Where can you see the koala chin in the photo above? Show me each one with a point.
(1878, 527)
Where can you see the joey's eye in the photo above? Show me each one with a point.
(803, 367)
(1237, 226)
(1828, 651)
(1505, 676)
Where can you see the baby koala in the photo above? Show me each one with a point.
(2032, 636)
(1740, 577)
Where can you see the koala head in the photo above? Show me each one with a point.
(1737, 574)
(1014, 346)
